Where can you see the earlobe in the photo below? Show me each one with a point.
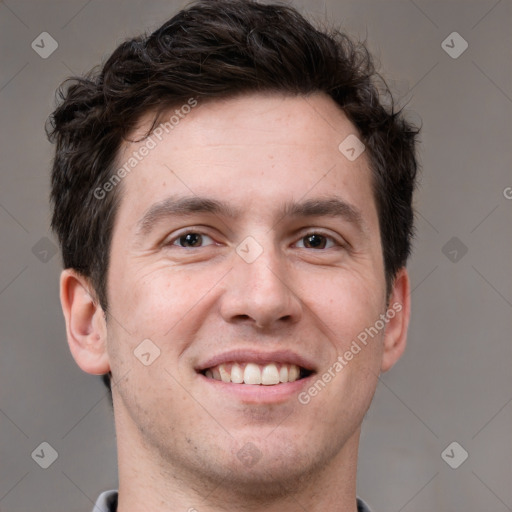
(398, 314)
(85, 323)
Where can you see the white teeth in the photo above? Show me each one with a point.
(237, 374)
(270, 375)
(252, 374)
(224, 375)
(293, 373)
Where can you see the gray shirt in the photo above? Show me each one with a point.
(107, 502)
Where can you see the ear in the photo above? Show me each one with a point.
(85, 323)
(398, 313)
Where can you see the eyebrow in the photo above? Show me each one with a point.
(176, 206)
(331, 207)
(191, 205)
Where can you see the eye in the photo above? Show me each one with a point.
(316, 241)
(192, 240)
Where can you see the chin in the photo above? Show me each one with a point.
(270, 469)
(269, 479)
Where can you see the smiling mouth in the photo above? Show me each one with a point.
(270, 374)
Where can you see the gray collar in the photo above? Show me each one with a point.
(107, 502)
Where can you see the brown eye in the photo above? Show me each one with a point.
(316, 241)
(192, 240)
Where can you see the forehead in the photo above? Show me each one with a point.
(258, 149)
(315, 121)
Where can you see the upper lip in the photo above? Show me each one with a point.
(257, 356)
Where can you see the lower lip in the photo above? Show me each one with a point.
(259, 393)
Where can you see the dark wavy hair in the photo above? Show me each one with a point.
(217, 49)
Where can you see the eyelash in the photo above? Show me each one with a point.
(336, 243)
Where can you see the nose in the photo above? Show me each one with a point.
(261, 293)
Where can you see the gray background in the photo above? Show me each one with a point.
(454, 382)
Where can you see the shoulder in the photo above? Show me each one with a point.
(106, 502)
(362, 506)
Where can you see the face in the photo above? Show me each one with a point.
(246, 249)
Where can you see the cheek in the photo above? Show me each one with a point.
(156, 403)
(355, 304)
(153, 301)
(147, 333)
(346, 301)
(166, 306)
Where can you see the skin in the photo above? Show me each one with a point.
(178, 435)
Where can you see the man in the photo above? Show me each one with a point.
(234, 208)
